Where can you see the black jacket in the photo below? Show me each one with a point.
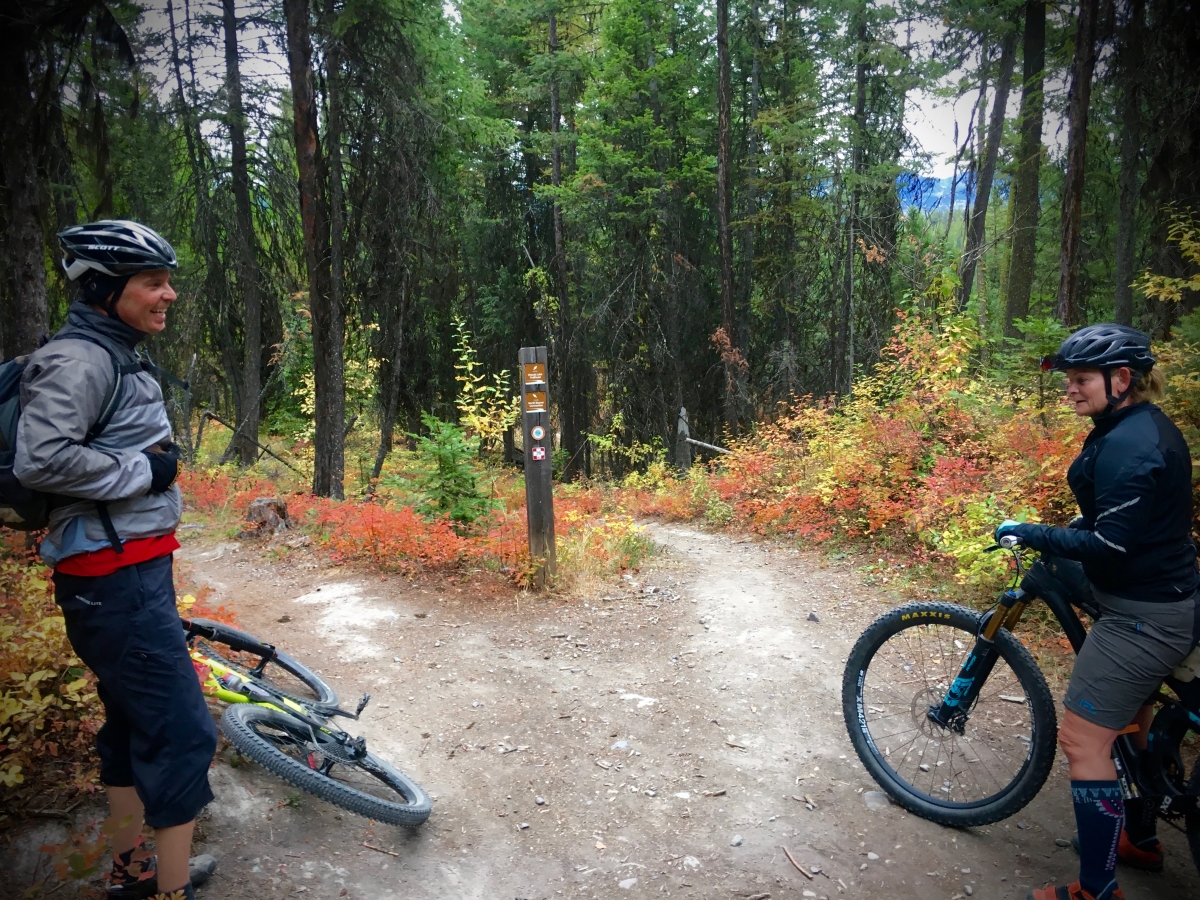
(1133, 482)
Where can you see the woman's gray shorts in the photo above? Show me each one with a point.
(1128, 652)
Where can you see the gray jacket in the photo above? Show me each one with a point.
(62, 391)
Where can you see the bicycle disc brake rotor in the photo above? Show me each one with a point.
(925, 699)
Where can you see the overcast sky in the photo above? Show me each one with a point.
(930, 119)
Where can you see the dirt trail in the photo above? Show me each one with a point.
(669, 733)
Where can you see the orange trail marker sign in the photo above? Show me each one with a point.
(539, 471)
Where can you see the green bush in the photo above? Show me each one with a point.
(450, 486)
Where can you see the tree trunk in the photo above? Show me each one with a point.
(1072, 197)
(1025, 205)
(1131, 139)
(749, 196)
(725, 211)
(27, 319)
(987, 170)
(215, 294)
(568, 389)
(389, 387)
(336, 404)
(328, 329)
(249, 407)
(56, 160)
(845, 341)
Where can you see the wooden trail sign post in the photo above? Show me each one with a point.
(539, 471)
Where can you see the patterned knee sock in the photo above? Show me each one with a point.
(1141, 821)
(126, 870)
(1099, 812)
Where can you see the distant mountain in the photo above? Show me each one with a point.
(927, 194)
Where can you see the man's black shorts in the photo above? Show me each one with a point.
(159, 736)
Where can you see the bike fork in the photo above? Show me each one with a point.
(955, 707)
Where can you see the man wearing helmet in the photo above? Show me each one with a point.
(1133, 483)
(111, 538)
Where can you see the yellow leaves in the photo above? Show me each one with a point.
(602, 544)
(10, 775)
(486, 411)
(31, 680)
(9, 707)
(44, 694)
(185, 603)
(1184, 231)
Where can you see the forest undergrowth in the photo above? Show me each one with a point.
(908, 475)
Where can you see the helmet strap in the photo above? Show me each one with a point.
(104, 291)
(1114, 401)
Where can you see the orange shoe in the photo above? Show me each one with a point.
(1135, 857)
(1071, 892)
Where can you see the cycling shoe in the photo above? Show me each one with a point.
(200, 869)
(1070, 892)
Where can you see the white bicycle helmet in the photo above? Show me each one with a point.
(102, 256)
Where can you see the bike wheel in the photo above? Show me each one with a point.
(318, 765)
(901, 666)
(284, 674)
(1192, 821)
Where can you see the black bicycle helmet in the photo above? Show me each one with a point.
(103, 256)
(1105, 346)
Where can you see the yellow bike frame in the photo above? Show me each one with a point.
(214, 688)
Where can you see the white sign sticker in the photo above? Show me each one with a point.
(538, 454)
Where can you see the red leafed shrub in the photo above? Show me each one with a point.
(392, 538)
(214, 491)
(921, 456)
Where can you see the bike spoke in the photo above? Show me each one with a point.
(329, 759)
(909, 674)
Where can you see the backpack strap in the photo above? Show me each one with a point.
(149, 366)
(131, 365)
(123, 363)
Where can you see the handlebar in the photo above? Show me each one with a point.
(230, 637)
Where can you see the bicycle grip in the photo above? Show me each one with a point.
(230, 637)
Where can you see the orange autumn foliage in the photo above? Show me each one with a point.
(926, 456)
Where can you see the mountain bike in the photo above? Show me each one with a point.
(281, 715)
(953, 718)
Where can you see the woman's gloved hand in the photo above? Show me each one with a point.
(164, 466)
(1007, 527)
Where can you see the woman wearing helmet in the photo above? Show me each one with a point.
(1133, 483)
(111, 538)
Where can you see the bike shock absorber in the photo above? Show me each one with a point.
(955, 708)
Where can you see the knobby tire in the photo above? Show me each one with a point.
(1192, 823)
(238, 723)
(1013, 796)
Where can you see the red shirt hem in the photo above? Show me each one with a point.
(108, 560)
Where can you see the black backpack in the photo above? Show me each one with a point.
(29, 510)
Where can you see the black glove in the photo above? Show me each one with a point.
(164, 466)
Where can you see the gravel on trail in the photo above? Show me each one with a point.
(676, 732)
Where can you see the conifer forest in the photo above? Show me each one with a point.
(719, 206)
